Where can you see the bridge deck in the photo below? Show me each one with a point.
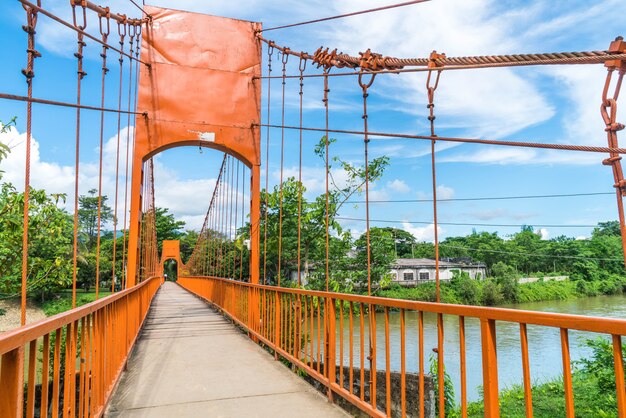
(190, 362)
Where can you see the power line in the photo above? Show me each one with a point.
(531, 254)
(467, 199)
(468, 224)
(325, 19)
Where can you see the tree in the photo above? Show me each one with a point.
(88, 217)
(382, 254)
(466, 287)
(4, 148)
(609, 228)
(167, 227)
(187, 243)
(404, 242)
(506, 278)
(313, 222)
(312, 233)
(50, 244)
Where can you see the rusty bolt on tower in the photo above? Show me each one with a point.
(608, 110)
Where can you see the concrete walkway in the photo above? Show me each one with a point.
(190, 362)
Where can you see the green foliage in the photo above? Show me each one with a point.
(49, 242)
(593, 381)
(62, 301)
(448, 388)
(167, 227)
(88, 217)
(187, 243)
(506, 278)
(382, 255)
(463, 290)
(599, 365)
(88, 238)
(467, 289)
(491, 295)
(4, 148)
(315, 213)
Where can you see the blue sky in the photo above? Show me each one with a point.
(541, 104)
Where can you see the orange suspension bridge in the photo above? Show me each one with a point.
(152, 341)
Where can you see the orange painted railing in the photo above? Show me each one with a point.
(75, 358)
(307, 328)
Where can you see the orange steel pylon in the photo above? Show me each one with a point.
(199, 90)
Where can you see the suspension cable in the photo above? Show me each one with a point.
(368, 248)
(29, 73)
(126, 170)
(64, 104)
(301, 67)
(69, 25)
(284, 60)
(327, 162)
(80, 75)
(325, 19)
(522, 144)
(374, 62)
(243, 200)
(236, 214)
(270, 52)
(230, 240)
(431, 117)
(122, 32)
(105, 29)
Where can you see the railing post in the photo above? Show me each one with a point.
(277, 313)
(12, 384)
(490, 367)
(253, 311)
(331, 346)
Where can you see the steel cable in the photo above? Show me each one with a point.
(80, 75)
(122, 31)
(31, 17)
(325, 19)
(104, 32)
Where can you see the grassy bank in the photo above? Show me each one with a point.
(492, 292)
(593, 382)
(62, 301)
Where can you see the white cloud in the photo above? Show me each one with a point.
(380, 195)
(398, 186)
(543, 233)
(187, 199)
(493, 155)
(51, 176)
(426, 233)
(443, 193)
(523, 156)
(466, 99)
(58, 178)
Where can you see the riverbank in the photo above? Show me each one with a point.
(10, 309)
(593, 383)
(10, 313)
(491, 292)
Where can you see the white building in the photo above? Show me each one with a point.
(411, 271)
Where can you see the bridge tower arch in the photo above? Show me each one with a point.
(200, 89)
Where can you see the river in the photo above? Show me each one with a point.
(544, 343)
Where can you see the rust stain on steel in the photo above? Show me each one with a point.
(199, 89)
